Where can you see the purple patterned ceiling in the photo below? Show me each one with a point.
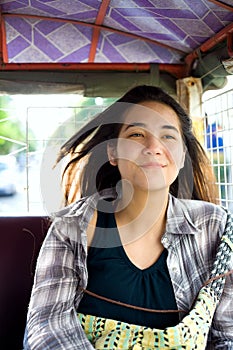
(134, 31)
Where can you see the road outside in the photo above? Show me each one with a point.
(24, 201)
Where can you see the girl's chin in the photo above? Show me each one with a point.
(151, 187)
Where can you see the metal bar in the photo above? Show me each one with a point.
(222, 4)
(209, 44)
(3, 46)
(230, 44)
(96, 31)
(77, 66)
(178, 70)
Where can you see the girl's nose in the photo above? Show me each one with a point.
(153, 146)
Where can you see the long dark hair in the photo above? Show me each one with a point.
(89, 170)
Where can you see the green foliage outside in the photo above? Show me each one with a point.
(13, 138)
(86, 110)
(11, 130)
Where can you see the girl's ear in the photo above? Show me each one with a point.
(112, 154)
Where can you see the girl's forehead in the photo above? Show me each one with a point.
(152, 113)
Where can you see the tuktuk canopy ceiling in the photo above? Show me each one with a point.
(104, 47)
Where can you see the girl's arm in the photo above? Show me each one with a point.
(52, 322)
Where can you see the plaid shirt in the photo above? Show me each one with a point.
(192, 234)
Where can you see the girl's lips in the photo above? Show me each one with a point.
(152, 165)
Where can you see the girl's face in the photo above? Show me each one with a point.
(150, 150)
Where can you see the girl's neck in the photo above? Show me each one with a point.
(141, 212)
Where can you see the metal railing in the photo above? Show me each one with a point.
(218, 135)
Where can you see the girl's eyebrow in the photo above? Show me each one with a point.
(131, 125)
(171, 127)
(166, 126)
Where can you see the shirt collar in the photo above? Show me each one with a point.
(179, 220)
(89, 202)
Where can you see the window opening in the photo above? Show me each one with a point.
(36, 126)
(218, 127)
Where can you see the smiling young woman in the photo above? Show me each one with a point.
(130, 251)
(151, 141)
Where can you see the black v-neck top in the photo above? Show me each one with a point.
(112, 275)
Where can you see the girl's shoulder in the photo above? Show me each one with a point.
(198, 212)
(85, 204)
(198, 205)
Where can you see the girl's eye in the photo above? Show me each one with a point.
(136, 134)
(169, 137)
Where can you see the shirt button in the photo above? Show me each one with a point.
(174, 269)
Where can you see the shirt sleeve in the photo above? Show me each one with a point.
(52, 321)
(222, 327)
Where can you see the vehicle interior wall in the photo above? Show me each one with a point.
(90, 84)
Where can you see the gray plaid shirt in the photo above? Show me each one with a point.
(193, 231)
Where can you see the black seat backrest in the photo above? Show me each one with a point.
(20, 242)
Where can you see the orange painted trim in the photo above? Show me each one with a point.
(217, 38)
(177, 70)
(99, 27)
(94, 43)
(221, 4)
(76, 66)
(1, 38)
(96, 31)
(102, 12)
(230, 44)
(3, 44)
(209, 44)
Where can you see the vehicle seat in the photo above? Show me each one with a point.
(21, 239)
